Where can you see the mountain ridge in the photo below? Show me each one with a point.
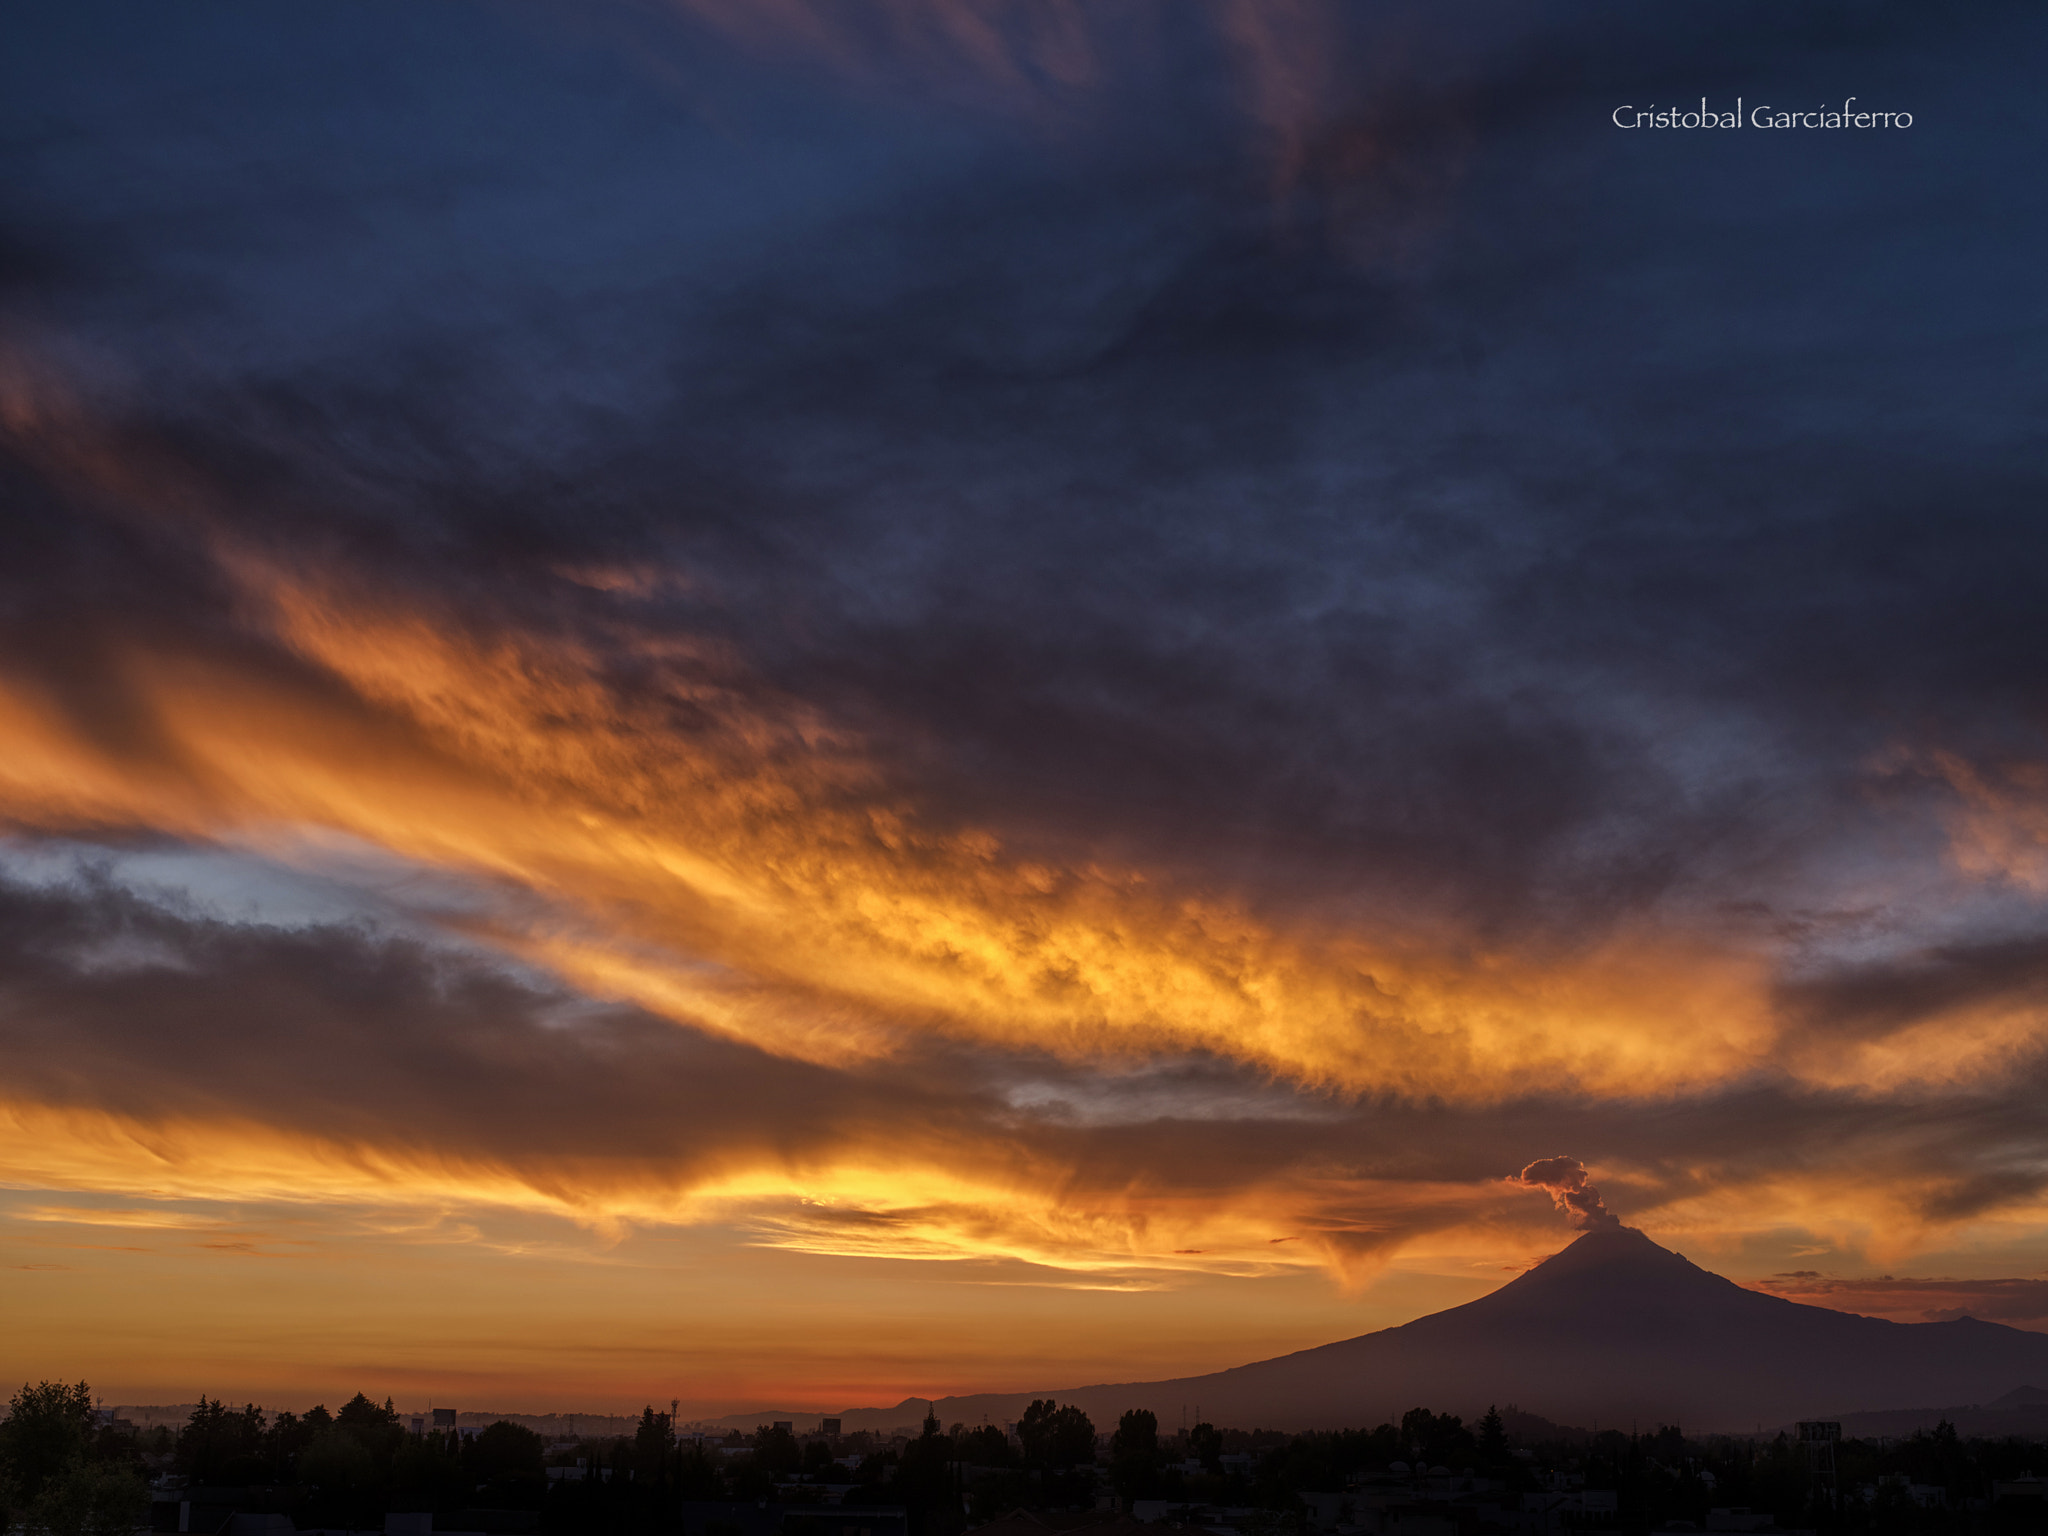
(1613, 1327)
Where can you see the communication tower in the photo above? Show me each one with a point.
(1820, 1437)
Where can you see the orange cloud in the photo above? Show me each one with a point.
(646, 817)
(1999, 830)
(754, 872)
(863, 1199)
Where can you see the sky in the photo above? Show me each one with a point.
(797, 702)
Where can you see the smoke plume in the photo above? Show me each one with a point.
(1565, 1178)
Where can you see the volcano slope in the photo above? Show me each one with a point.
(1612, 1329)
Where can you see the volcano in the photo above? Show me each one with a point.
(1613, 1329)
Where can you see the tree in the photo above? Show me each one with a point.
(986, 1446)
(1134, 1454)
(651, 1443)
(1493, 1436)
(337, 1463)
(1137, 1434)
(776, 1450)
(507, 1452)
(48, 1428)
(1667, 1445)
(360, 1413)
(1205, 1444)
(1434, 1437)
(924, 1472)
(425, 1476)
(1056, 1435)
(375, 1429)
(696, 1477)
(925, 1485)
(289, 1435)
(91, 1499)
(221, 1444)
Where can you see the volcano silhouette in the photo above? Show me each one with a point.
(1612, 1329)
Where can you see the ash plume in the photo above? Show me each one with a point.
(1565, 1178)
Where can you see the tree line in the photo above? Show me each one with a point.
(63, 1473)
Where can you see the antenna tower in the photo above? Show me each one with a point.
(1820, 1437)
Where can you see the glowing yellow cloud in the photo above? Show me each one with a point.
(874, 1200)
(839, 926)
(732, 858)
(755, 873)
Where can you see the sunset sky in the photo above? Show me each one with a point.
(787, 702)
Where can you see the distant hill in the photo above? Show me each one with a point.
(2020, 1413)
(553, 1425)
(1612, 1330)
